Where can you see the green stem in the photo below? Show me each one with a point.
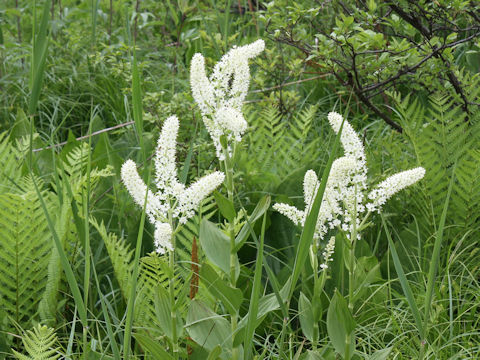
(231, 231)
(173, 313)
(351, 274)
(316, 294)
(348, 340)
(353, 238)
(282, 336)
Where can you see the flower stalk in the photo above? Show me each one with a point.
(231, 232)
(173, 313)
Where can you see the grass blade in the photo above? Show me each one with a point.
(72, 281)
(255, 297)
(38, 57)
(137, 102)
(131, 299)
(111, 335)
(432, 271)
(403, 280)
(94, 21)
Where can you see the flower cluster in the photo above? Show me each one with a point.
(328, 252)
(220, 97)
(172, 199)
(344, 199)
(389, 187)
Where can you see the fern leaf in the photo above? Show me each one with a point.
(48, 305)
(11, 170)
(40, 344)
(120, 255)
(24, 253)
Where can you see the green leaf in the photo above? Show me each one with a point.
(41, 344)
(38, 58)
(254, 299)
(367, 271)
(21, 126)
(156, 350)
(163, 312)
(305, 313)
(207, 328)
(312, 355)
(26, 246)
(226, 206)
(230, 297)
(340, 324)
(216, 246)
(215, 353)
(266, 305)
(173, 13)
(259, 210)
(67, 268)
(381, 354)
(434, 262)
(403, 280)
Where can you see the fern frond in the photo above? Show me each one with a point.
(441, 136)
(11, 169)
(121, 257)
(24, 254)
(466, 190)
(65, 230)
(277, 148)
(40, 344)
(75, 166)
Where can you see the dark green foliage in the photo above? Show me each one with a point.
(370, 47)
(441, 136)
(277, 148)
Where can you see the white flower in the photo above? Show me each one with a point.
(163, 237)
(353, 193)
(231, 120)
(331, 206)
(137, 189)
(328, 252)
(392, 185)
(190, 199)
(202, 89)
(231, 75)
(343, 201)
(172, 199)
(352, 145)
(220, 97)
(291, 212)
(165, 167)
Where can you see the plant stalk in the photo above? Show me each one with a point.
(171, 286)
(231, 231)
(315, 294)
(173, 313)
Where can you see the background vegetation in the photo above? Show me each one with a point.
(72, 73)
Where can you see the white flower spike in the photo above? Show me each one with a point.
(220, 97)
(344, 199)
(389, 187)
(172, 199)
